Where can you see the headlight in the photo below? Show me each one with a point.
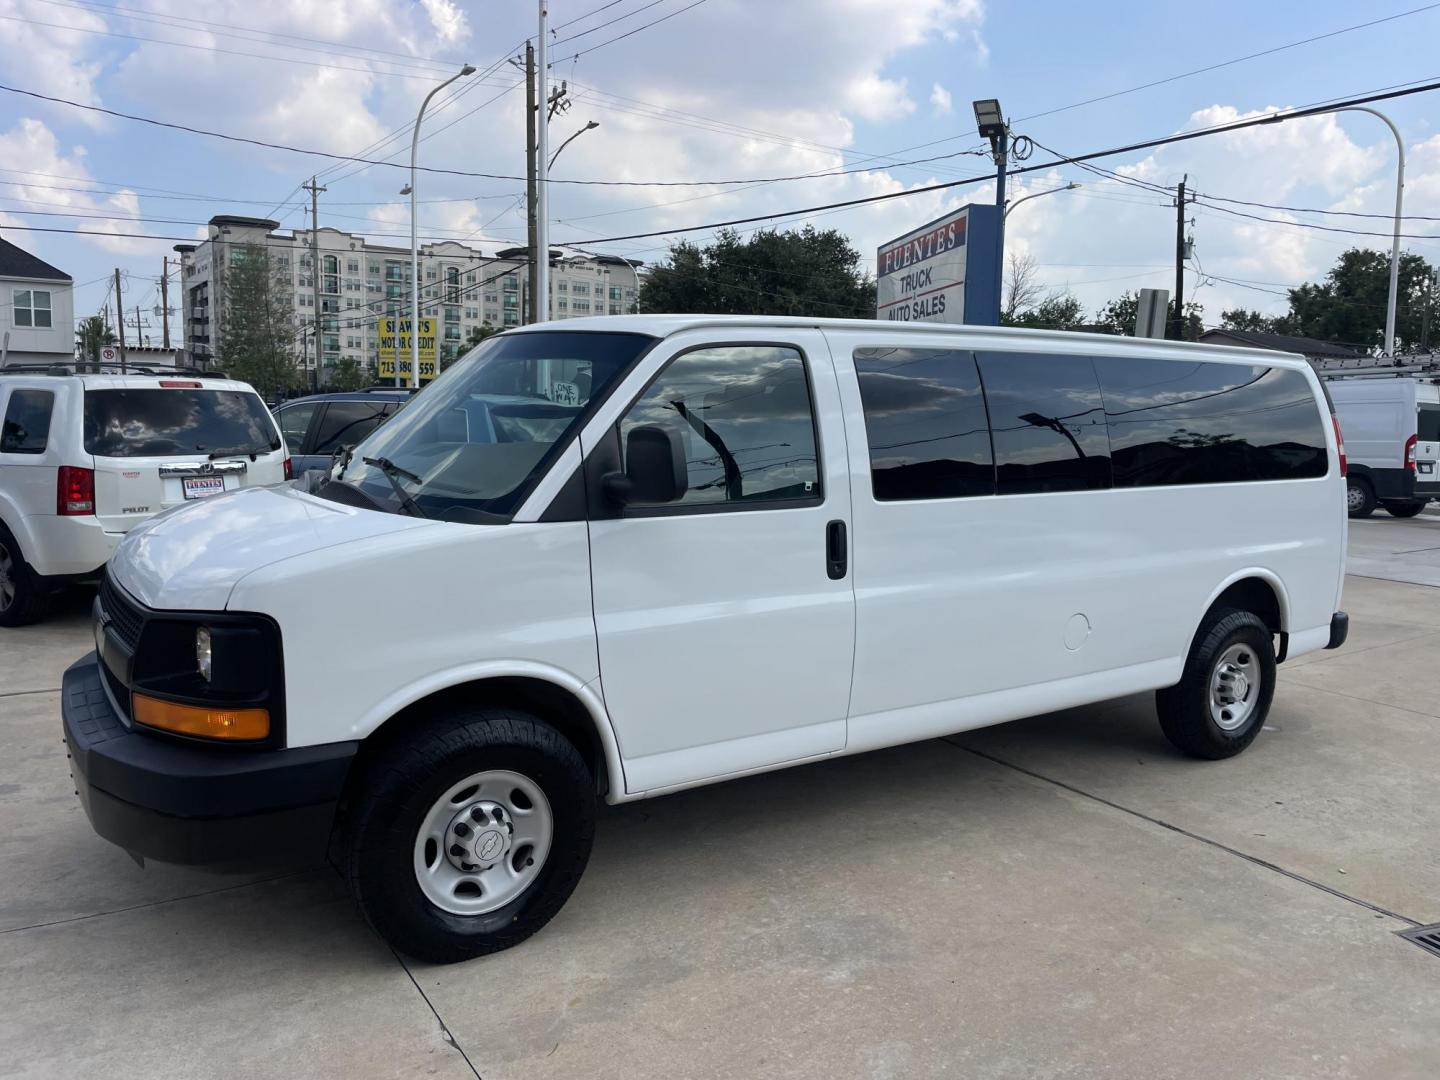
(202, 652)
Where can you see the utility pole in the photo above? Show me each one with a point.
(532, 108)
(1177, 321)
(542, 169)
(120, 319)
(314, 189)
(165, 301)
(139, 333)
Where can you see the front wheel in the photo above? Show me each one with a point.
(1404, 509)
(470, 835)
(1221, 701)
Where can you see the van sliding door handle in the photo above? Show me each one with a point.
(836, 560)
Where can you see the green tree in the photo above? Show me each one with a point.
(1118, 317)
(1058, 311)
(794, 272)
(347, 374)
(1348, 306)
(1244, 319)
(90, 334)
(257, 335)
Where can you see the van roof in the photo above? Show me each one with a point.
(666, 325)
(113, 381)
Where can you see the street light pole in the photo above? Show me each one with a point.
(1027, 198)
(541, 303)
(1399, 214)
(414, 239)
(591, 126)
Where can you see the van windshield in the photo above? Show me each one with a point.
(470, 446)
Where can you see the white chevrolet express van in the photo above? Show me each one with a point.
(613, 558)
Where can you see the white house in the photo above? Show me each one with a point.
(37, 309)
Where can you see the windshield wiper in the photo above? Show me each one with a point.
(391, 471)
(243, 451)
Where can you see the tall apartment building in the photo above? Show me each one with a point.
(461, 287)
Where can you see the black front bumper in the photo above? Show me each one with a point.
(224, 808)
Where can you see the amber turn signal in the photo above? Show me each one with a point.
(207, 721)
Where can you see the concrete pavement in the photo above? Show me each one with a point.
(1059, 897)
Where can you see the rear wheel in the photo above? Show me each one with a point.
(1359, 497)
(24, 596)
(1221, 701)
(469, 836)
(1404, 509)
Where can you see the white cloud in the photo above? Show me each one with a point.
(49, 182)
(941, 99)
(878, 100)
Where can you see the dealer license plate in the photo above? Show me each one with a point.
(202, 487)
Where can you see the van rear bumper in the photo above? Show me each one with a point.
(218, 807)
(1339, 629)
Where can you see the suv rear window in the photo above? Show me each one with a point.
(152, 423)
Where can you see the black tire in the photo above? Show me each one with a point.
(1404, 509)
(24, 594)
(1185, 708)
(398, 788)
(1359, 497)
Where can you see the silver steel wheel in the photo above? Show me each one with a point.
(8, 571)
(1354, 497)
(483, 842)
(1234, 687)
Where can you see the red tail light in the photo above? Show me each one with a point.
(1339, 444)
(75, 491)
(1410, 452)
(289, 470)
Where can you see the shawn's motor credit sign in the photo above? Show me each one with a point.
(394, 334)
(946, 271)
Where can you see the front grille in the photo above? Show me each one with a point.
(121, 612)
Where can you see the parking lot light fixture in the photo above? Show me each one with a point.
(414, 242)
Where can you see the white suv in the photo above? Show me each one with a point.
(84, 458)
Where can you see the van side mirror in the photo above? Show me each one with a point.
(655, 470)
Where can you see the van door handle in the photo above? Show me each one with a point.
(836, 560)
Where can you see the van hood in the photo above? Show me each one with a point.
(191, 558)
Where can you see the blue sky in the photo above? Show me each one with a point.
(725, 90)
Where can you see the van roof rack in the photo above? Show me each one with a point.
(88, 368)
(1406, 365)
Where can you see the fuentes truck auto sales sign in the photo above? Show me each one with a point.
(946, 271)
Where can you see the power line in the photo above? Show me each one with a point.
(608, 22)
(210, 48)
(1227, 63)
(629, 33)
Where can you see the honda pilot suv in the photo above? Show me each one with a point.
(84, 458)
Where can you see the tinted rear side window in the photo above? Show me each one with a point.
(1187, 422)
(345, 423)
(143, 422)
(925, 421)
(1047, 423)
(27, 422)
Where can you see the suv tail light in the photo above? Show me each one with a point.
(75, 491)
(1410, 452)
(1339, 444)
(289, 469)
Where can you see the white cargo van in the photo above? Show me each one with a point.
(613, 558)
(1392, 435)
(86, 457)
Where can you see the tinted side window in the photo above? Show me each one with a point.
(1184, 422)
(1047, 423)
(294, 422)
(345, 423)
(27, 422)
(743, 412)
(925, 421)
